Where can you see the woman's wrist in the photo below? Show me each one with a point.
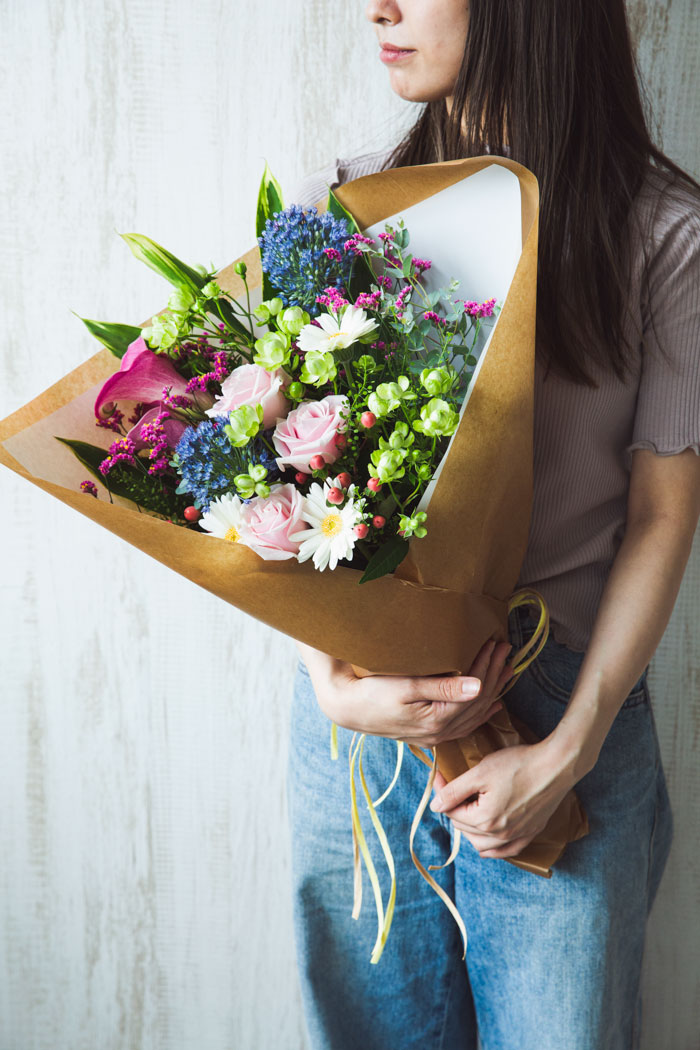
(572, 751)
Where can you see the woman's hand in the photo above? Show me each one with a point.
(423, 711)
(510, 795)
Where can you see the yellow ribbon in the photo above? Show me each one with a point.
(519, 662)
(534, 646)
(361, 850)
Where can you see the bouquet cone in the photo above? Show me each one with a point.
(452, 591)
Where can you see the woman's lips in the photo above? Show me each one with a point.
(389, 53)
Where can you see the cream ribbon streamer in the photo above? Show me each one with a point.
(519, 662)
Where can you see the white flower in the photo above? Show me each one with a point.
(331, 535)
(224, 518)
(336, 333)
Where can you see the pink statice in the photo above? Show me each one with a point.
(122, 451)
(475, 309)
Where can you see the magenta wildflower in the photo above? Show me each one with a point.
(384, 281)
(479, 309)
(89, 487)
(386, 237)
(153, 433)
(111, 422)
(175, 400)
(217, 375)
(353, 243)
(421, 265)
(430, 315)
(122, 451)
(368, 300)
(333, 254)
(332, 298)
(139, 410)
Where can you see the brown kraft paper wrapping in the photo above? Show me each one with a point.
(451, 593)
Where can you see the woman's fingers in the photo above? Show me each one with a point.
(496, 668)
(482, 660)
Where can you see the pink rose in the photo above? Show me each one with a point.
(253, 385)
(269, 522)
(310, 430)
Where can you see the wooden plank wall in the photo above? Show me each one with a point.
(143, 724)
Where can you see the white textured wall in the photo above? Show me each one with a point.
(143, 883)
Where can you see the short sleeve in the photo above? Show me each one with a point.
(667, 414)
(314, 187)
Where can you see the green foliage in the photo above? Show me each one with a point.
(116, 337)
(386, 559)
(150, 492)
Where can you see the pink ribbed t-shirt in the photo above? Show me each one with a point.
(584, 436)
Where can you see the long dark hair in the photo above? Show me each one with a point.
(553, 84)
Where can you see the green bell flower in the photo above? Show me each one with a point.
(295, 391)
(387, 465)
(318, 368)
(181, 300)
(413, 526)
(252, 483)
(437, 419)
(272, 350)
(293, 319)
(164, 330)
(243, 425)
(240, 268)
(389, 396)
(438, 380)
(211, 290)
(268, 308)
(400, 438)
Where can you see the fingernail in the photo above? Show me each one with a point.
(436, 804)
(470, 687)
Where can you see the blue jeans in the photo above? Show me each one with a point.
(552, 964)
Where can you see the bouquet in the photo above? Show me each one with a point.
(330, 402)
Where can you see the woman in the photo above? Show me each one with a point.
(552, 964)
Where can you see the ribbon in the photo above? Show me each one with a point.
(519, 662)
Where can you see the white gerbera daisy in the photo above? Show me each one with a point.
(224, 518)
(331, 535)
(336, 333)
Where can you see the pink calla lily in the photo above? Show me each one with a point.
(172, 428)
(141, 377)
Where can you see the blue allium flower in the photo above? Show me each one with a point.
(302, 254)
(207, 461)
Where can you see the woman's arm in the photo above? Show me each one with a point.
(517, 789)
(422, 711)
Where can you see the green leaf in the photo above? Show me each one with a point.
(91, 456)
(341, 212)
(134, 484)
(116, 337)
(269, 199)
(164, 262)
(386, 559)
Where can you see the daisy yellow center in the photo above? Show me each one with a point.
(232, 535)
(331, 525)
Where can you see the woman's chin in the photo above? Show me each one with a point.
(411, 90)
